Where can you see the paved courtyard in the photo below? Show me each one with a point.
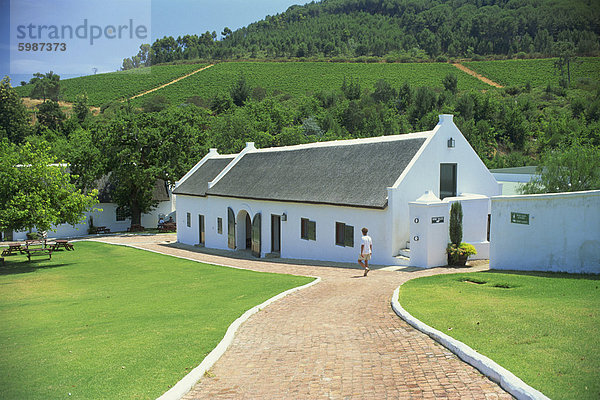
(338, 339)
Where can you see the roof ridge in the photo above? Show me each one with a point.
(349, 142)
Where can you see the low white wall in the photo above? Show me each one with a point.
(433, 237)
(562, 233)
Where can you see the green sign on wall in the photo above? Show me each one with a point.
(519, 218)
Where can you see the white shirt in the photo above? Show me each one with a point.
(366, 243)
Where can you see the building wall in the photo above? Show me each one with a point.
(563, 233)
(292, 246)
(472, 176)
(107, 217)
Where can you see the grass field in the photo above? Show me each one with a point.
(110, 322)
(103, 88)
(537, 72)
(544, 328)
(299, 78)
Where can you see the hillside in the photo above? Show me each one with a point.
(401, 30)
(306, 78)
(104, 88)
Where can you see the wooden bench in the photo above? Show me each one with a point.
(102, 229)
(39, 252)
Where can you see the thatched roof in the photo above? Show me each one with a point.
(197, 183)
(353, 173)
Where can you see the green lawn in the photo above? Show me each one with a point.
(111, 322)
(543, 327)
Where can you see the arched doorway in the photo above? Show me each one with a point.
(244, 230)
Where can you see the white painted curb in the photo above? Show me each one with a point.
(506, 379)
(182, 387)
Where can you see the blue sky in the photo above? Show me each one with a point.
(74, 22)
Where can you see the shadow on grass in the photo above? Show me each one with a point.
(562, 275)
(15, 267)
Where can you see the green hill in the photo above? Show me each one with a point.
(400, 30)
(103, 88)
(305, 78)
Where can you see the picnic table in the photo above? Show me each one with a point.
(12, 249)
(167, 227)
(39, 251)
(58, 243)
(102, 229)
(37, 248)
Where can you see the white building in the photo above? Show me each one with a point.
(512, 179)
(109, 215)
(311, 201)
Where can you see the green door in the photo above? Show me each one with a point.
(256, 226)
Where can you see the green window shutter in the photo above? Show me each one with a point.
(312, 230)
(303, 228)
(339, 233)
(348, 236)
(230, 228)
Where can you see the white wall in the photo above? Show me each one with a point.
(563, 234)
(292, 246)
(107, 217)
(433, 238)
(472, 175)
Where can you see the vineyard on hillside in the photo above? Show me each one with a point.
(104, 88)
(300, 78)
(539, 73)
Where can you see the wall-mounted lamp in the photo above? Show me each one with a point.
(284, 217)
(451, 143)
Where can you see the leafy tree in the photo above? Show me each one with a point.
(13, 116)
(221, 103)
(50, 115)
(450, 82)
(573, 169)
(565, 51)
(81, 108)
(45, 86)
(351, 89)
(240, 91)
(35, 193)
(138, 149)
(383, 92)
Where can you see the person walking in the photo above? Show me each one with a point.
(366, 249)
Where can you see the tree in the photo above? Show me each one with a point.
(573, 169)
(456, 216)
(35, 193)
(351, 89)
(50, 115)
(45, 86)
(565, 51)
(81, 108)
(139, 149)
(383, 92)
(450, 82)
(14, 123)
(240, 91)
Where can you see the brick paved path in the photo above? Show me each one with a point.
(338, 339)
